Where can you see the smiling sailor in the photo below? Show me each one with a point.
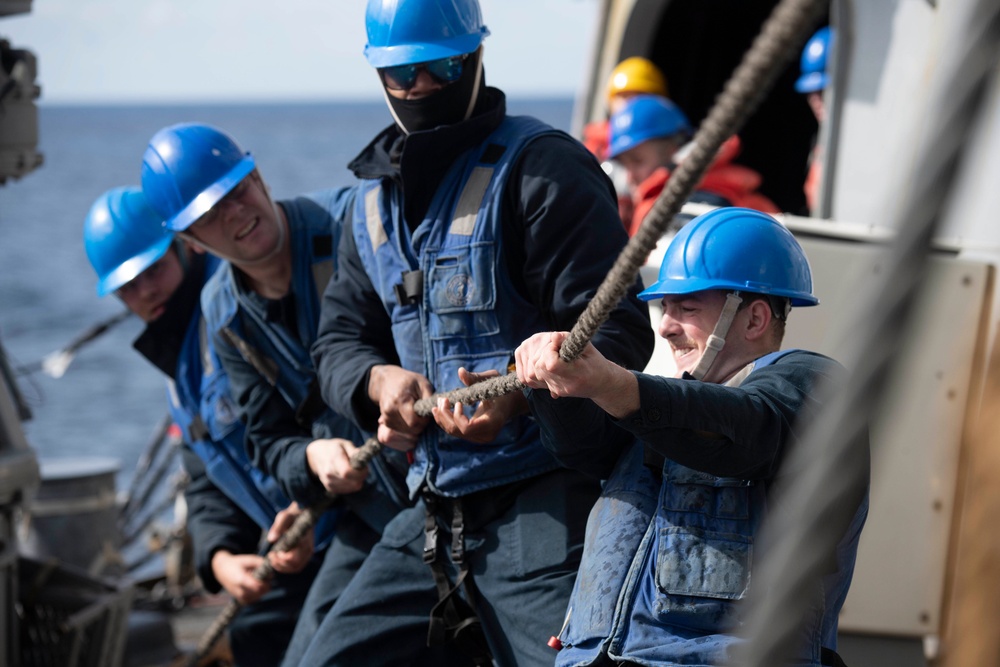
(690, 460)
(262, 309)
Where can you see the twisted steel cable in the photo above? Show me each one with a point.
(830, 462)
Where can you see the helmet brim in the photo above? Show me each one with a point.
(408, 54)
(616, 148)
(811, 82)
(131, 268)
(211, 195)
(673, 286)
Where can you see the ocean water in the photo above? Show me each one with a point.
(110, 399)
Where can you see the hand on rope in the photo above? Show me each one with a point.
(591, 375)
(539, 366)
(490, 414)
(292, 560)
(396, 390)
(330, 460)
(235, 573)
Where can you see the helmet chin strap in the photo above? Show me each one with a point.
(717, 339)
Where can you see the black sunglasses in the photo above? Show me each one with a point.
(443, 70)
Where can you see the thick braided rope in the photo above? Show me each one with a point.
(299, 529)
(779, 40)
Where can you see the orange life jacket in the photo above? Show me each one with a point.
(733, 182)
(596, 137)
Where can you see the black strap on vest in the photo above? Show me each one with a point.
(453, 619)
(411, 290)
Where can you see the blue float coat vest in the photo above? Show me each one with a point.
(462, 310)
(279, 355)
(201, 406)
(668, 561)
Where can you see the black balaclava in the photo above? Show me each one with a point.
(452, 104)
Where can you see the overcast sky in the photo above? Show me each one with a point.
(197, 50)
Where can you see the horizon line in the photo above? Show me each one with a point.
(42, 101)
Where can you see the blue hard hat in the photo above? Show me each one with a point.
(814, 60)
(123, 236)
(735, 249)
(642, 118)
(188, 168)
(404, 32)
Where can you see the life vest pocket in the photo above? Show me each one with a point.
(462, 293)
(703, 563)
(688, 490)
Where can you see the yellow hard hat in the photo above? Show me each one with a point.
(636, 75)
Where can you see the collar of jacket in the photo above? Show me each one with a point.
(161, 340)
(419, 161)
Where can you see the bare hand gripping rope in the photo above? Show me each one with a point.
(782, 35)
